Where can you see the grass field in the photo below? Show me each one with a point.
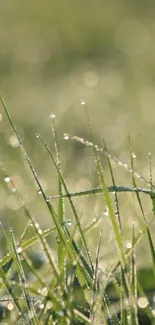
(80, 270)
(77, 162)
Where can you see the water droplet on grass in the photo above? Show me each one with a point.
(10, 306)
(6, 179)
(83, 102)
(19, 250)
(39, 192)
(128, 245)
(37, 135)
(52, 116)
(41, 306)
(66, 136)
(106, 212)
(134, 155)
(14, 141)
(58, 240)
(142, 302)
(69, 222)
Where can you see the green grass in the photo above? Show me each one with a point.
(71, 286)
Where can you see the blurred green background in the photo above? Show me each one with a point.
(53, 54)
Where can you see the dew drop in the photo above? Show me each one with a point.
(47, 199)
(142, 302)
(83, 102)
(44, 291)
(39, 192)
(58, 240)
(52, 116)
(10, 306)
(134, 155)
(37, 135)
(14, 141)
(6, 179)
(128, 245)
(41, 306)
(19, 250)
(106, 212)
(25, 285)
(60, 313)
(69, 222)
(66, 136)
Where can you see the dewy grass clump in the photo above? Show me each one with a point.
(70, 285)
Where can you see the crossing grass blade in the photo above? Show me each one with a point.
(83, 278)
(111, 189)
(152, 250)
(70, 201)
(133, 280)
(113, 158)
(62, 254)
(28, 302)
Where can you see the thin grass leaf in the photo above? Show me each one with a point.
(112, 216)
(133, 281)
(92, 225)
(148, 308)
(111, 189)
(16, 256)
(61, 208)
(50, 208)
(112, 268)
(106, 153)
(114, 185)
(152, 250)
(10, 291)
(70, 201)
(96, 305)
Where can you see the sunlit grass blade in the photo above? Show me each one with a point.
(61, 208)
(112, 217)
(6, 262)
(16, 256)
(124, 289)
(70, 201)
(96, 305)
(133, 281)
(111, 189)
(114, 185)
(51, 210)
(10, 291)
(106, 153)
(114, 223)
(152, 250)
(146, 306)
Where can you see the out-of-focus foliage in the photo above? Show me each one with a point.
(53, 54)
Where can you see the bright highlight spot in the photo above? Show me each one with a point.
(142, 302)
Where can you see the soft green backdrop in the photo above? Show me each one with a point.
(53, 54)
